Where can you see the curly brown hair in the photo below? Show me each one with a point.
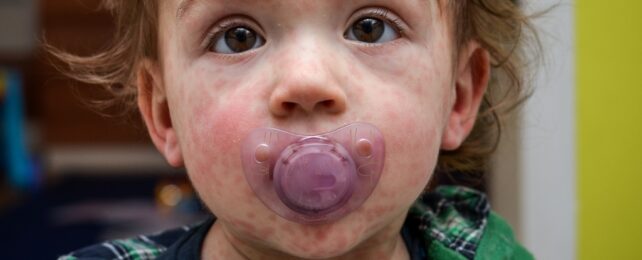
(499, 26)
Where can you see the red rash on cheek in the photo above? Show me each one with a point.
(213, 132)
(217, 129)
(226, 125)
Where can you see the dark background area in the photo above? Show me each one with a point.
(74, 202)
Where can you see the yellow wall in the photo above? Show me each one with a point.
(609, 53)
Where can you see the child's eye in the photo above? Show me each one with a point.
(371, 30)
(235, 40)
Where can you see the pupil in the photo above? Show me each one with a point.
(368, 29)
(240, 39)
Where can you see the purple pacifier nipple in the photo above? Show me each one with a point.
(313, 179)
(314, 175)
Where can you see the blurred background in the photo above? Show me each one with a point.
(70, 177)
(566, 176)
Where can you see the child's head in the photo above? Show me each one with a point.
(204, 73)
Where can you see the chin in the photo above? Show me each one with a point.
(332, 239)
(335, 243)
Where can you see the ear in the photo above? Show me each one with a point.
(154, 108)
(471, 81)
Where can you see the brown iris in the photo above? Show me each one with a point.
(240, 39)
(368, 29)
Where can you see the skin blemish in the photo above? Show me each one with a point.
(267, 232)
(321, 235)
(238, 179)
(246, 227)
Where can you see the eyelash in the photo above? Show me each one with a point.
(227, 24)
(381, 13)
(377, 12)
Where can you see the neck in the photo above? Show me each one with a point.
(222, 243)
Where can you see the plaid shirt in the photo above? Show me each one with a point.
(452, 216)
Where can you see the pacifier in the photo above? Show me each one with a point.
(313, 179)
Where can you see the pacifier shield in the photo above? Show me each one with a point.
(314, 179)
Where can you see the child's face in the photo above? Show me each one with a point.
(307, 67)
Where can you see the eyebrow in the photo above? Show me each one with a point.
(183, 7)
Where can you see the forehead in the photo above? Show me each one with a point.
(183, 7)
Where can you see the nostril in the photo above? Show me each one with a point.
(327, 103)
(288, 106)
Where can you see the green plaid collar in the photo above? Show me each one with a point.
(454, 216)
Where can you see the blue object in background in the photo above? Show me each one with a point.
(15, 158)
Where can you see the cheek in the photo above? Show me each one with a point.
(412, 122)
(411, 153)
(212, 134)
(218, 117)
(221, 125)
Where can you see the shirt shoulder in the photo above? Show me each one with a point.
(499, 240)
(457, 223)
(451, 221)
(142, 247)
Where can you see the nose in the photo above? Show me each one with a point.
(308, 99)
(306, 84)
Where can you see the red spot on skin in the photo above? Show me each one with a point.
(391, 114)
(321, 235)
(251, 215)
(245, 226)
(369, 216)
(267, 232)
(259, 233)
(238, 179)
